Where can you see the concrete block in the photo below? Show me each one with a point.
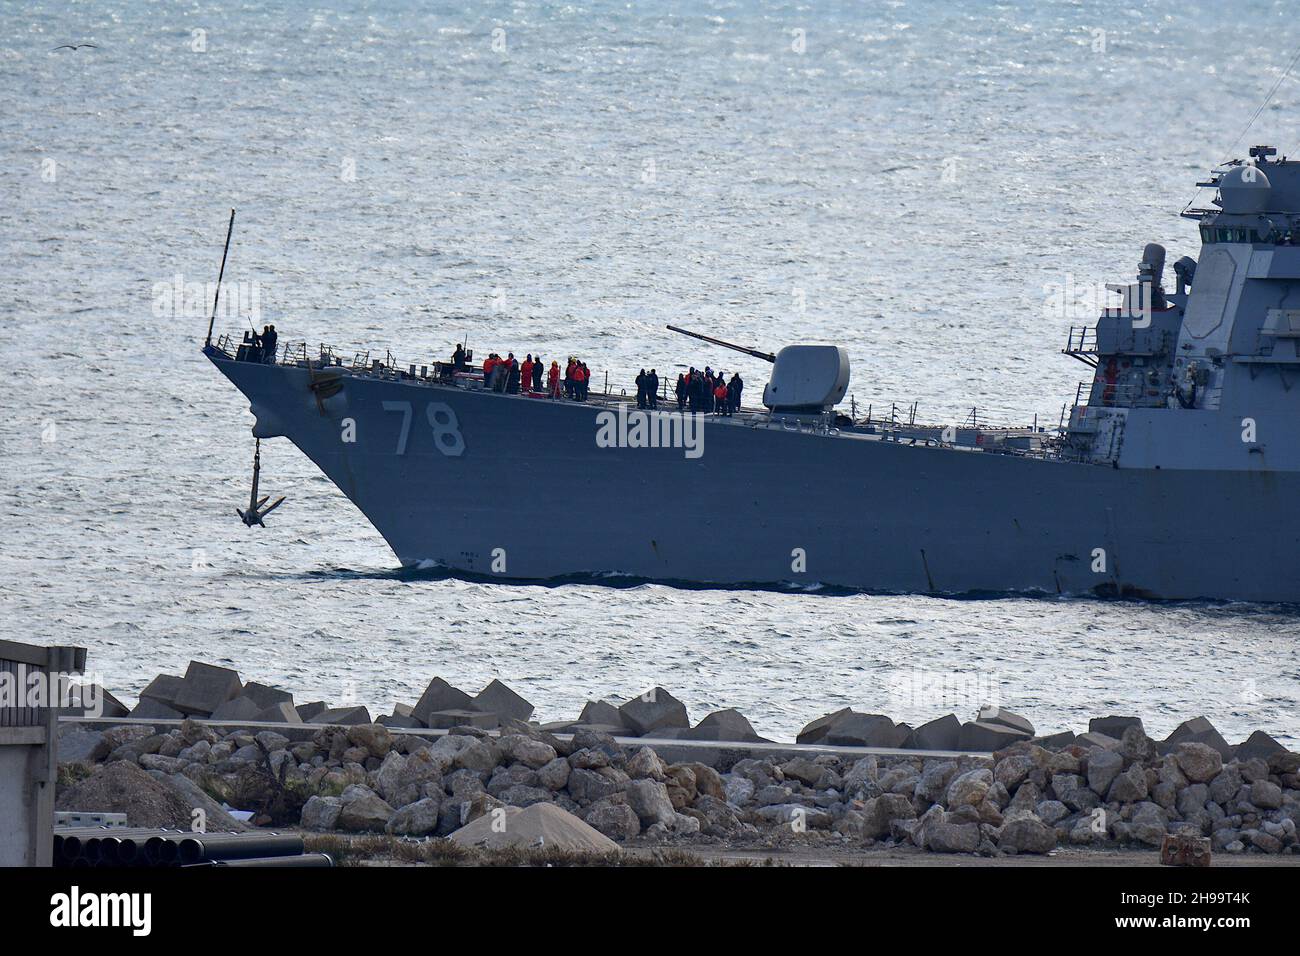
(861, 730)
(343, 716)
(163, 689)
(1198, 730)
(266, 696)
(942, 733)
(1258, 744)
(440, 695)
(600, 712)
(1095, 738)
(283, 713)
(653, 710)
(241, 708)
(88, 696)
(978, 735)
(447, 719)
(1056, 741)
(404, 710)
(999, 715)
(814, 732)
(1113, 726)
(497, 698)
(308, 712)
(155, 710)
(400, 720)
(206, 687)
(729, 724)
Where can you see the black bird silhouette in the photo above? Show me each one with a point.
(74, 47)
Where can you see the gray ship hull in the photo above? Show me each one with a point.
(520, 489)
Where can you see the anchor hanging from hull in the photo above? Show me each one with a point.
(256, 512)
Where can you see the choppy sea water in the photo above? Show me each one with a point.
(915, 181)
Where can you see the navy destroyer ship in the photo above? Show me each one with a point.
(1175, 476)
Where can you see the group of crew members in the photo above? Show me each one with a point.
(706, 391)
(700, 391)
(531, 376)
(259, 346)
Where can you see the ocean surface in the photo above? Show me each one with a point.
(942, 188)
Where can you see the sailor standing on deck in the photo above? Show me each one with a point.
(526, 373)
(458, 358)
(269, 338)
(733, 392)
(652, 389)
(555, 379)
(537, 374)
(641, 389)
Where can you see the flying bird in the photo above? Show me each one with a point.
(74, 47)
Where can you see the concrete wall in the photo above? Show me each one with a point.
(29, 758)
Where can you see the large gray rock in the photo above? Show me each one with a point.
(81, 745)
(969, 788)
(1129, 787)
(617, 821)
(554, 775)
(1199, 762)
(497, 698)
(1103, 767)
(880, 812)
(933, 783)
(727, 724)
(943, 836)
(365, 814)
(588, 786)
(205, 688)
(416, 819)
(441, 696)
(1027, 835)
(942, 733)
(654, 709)
(650, 802)
(1266, 795)
(525, 750)
(321, 813)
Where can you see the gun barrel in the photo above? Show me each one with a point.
(765, 356)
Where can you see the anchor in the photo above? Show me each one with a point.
(256, 512)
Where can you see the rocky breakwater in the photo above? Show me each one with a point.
(1111, 786)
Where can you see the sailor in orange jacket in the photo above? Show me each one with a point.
(553, 380)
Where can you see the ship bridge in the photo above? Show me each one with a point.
(1182, 375)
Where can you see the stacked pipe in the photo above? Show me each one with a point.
(79, 847)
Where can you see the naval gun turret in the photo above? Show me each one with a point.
(806, 379)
